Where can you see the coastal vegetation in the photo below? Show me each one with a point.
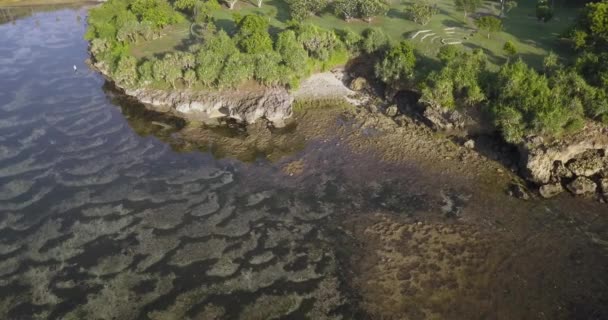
(480, 61)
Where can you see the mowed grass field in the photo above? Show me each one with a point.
(533, 39)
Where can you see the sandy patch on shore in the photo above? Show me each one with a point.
(326, 85)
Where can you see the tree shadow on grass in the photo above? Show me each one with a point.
(453, 24)
(282, 12)
(492, 57)
(229, 26)
(397, 14)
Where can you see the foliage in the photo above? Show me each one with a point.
(237, 69)
(524, 102)
(319, 43)
(397, 65)
(448, 53)
(252, 36)
(292, 52)
(189, 77)
(367, 9)
(467, 6)
(374, 40)
(458, 82)
(144, 70)
(186, 5)
(126, 72)
(510, 48)
(364, 9)
(489, 24)
(544, 12)
(301, 9)
(159, 12)
(421, 12)
(351, 40)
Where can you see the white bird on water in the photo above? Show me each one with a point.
(75, 69)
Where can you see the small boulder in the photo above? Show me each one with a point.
(586, 164)
(581, 186)
(550, 190)
(470, 144)
(359, 84)
(560, 171)
(391, 111)
(518, 191)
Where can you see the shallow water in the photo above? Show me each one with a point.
(101, 217)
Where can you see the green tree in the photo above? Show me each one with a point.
(159, 12)
(252, 35)
(544, 12)
(128, 32)
(302, 9)
(189, 77)
(524, 102)
(293, 55)
(126, 72)
(145, 72)
(458, 83)
(489, 24)
(347, 9)
(237, 69)
(397, 64)
(210, 58)
(173, 73)
(510, 49)
(352, 40)
(448, 53)
(367, 9)
(422, 12)
(319, 43)
(467, 6)
(268, 68)
(186, 5)
(374, 40)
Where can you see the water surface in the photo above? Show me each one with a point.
(101, 217)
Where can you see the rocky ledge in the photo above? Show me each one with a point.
(579, 162)
(212, 107)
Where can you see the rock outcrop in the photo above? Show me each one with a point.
(247, 106)
(550, 190)
(582, 186)
(540, 160)
(443, 119)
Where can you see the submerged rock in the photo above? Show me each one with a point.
(581, 186)
(518, 191)
(550, 190)
(391, 111)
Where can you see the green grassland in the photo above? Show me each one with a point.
(533, 39)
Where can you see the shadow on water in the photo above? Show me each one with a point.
(229, 140)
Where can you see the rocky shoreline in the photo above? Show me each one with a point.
(578, 164)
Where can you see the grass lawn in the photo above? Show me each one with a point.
(532, 39)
